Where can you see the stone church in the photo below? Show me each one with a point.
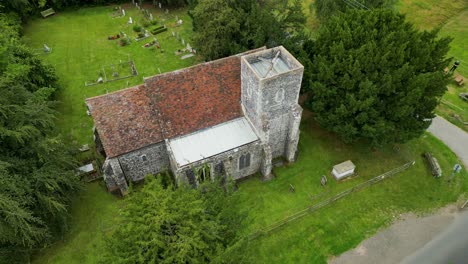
(228, 117)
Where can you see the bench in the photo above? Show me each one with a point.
(433, 165)
(47, 12)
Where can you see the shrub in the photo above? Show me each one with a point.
(154, 22)
(141, 35)
(124, 42)
(137, 28)
(145, 23)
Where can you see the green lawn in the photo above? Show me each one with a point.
(311, 239)
(341, 226)
(94, 213)
(80, 49)
(452, 18)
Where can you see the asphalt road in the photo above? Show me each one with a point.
(451, 246)
(454, 137)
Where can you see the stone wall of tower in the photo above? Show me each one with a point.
(271, 103)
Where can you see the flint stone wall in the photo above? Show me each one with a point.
(152, 159)
(230, 160)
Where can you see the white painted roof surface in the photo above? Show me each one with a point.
(264, 68)
(212, 141)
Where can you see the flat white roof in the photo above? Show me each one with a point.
(212, 141)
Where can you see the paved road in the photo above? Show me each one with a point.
(451, 246)
(454, 137)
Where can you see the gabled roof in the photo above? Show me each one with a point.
(197, 97)
(168, 105)
(124, 120)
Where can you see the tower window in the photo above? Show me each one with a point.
(143, 158)
(244, 161)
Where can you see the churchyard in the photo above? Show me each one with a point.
(81, 52)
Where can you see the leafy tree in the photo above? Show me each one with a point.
(36, 168)
(328, 8)
(239, 25)
(376, 77)
(169, 225)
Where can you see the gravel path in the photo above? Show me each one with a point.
(454, 137)
(406, 236)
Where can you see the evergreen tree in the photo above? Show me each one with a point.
(174, 225)
(36, 168)
(376, 77)
(224, 28)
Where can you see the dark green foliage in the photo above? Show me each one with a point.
(168, 225)
(137, 28)
(236, 26)
(328, 8)
(376, 77)
(36, 169)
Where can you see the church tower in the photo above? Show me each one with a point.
(271, 81)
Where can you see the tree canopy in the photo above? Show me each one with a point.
(163, 224)
(235, 26)
(376, 77)
(36, 168)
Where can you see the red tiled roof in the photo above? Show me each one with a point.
(124, 120)
(168, 105)
(194, 98)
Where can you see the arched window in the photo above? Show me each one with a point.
(244, 161)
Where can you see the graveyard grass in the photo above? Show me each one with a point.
(80, 49)
(313, 238)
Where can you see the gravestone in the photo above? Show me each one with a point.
(178, 36)
(123, 12)
(177, 18)
(47, 49)
(151, 16)
(130, 20)
(323, 180)
(167, 11)
(160, 5)
(173, 34)
(189, 48)
(179, 22)
(183, 42)
(133, 1)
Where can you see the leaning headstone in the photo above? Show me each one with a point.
(100, 80)
(173, 34)
(123, 12)
(189, 48)
(130, 20)
(47, 49)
